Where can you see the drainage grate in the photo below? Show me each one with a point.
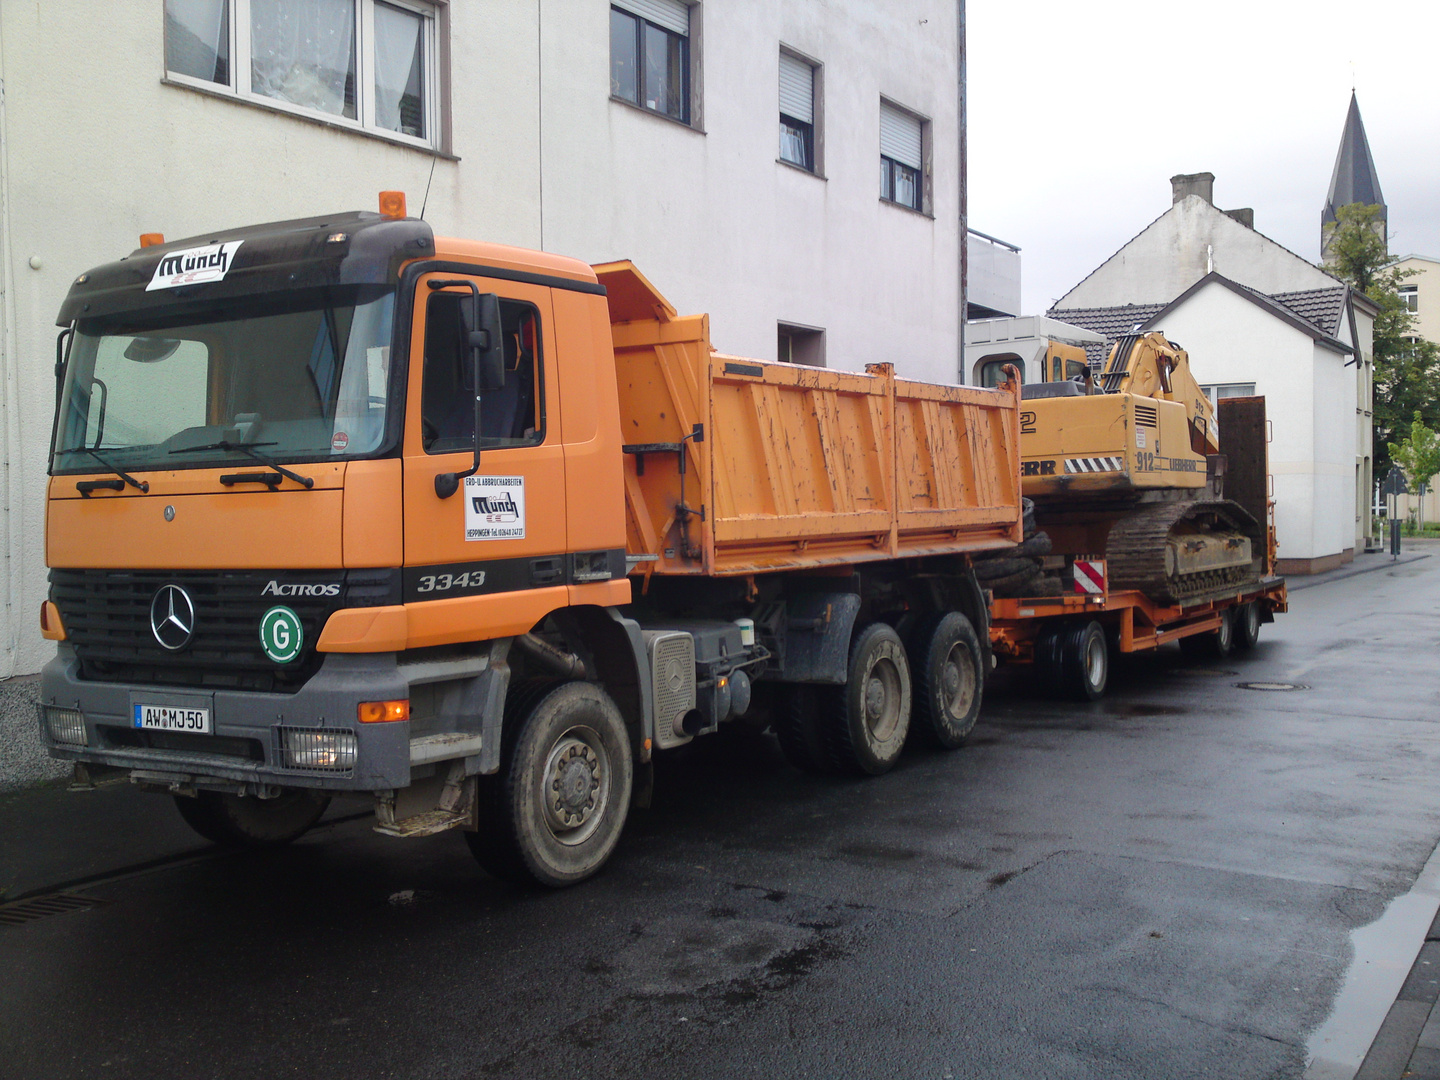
(42, 907)
(1272, 686)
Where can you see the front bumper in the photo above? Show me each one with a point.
(249, 730)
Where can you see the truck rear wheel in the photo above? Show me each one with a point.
(1084, 662)
(947, 680)
(1215, 645)
(872, 710)
(1246, 621)
(801, 730)
(554, 813)
(247, 822)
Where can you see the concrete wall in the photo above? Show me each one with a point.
(1427, 283)
(1182, 246)
(1310, 401)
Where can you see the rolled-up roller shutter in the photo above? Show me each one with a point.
(671, 14)
(899, 136)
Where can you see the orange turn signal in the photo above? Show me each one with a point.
(151, 239)
(392, 204)
(384, 712)
(51, 628)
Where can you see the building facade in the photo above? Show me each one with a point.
(1256, 318)
(762, 161)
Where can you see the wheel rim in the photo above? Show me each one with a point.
(576, 785)
(1095, 660)
(1223, 635)
(957, 682)
(1252, 620)
(882, 699)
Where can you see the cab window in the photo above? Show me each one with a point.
(992, 372)
(511, 416)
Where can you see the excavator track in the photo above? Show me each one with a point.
(1136, 551)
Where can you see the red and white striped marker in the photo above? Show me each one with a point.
(1090, 576)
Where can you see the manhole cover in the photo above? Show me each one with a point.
(1272, 686)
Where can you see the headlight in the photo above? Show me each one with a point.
(65, 725)
(319, 751)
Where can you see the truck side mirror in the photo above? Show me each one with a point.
(485, 340)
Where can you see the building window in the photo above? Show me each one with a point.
(801, 345)
(797, 112)
(371, 63)
(650, 56)
(902, 144)
(1216, 391)
(1410, 294)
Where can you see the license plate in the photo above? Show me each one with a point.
(172, 718)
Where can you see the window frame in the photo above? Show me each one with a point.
(889, 165)
(812, 133)
(1410, 294)
(434, 15)
(539, 432)
(688, 72)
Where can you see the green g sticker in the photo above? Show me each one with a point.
(281, 635)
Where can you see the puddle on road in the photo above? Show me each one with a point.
(1384, 953)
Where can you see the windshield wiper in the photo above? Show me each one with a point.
(87, 486)
(248, 449)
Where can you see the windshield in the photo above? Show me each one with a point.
(301, 374)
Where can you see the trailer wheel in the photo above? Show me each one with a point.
(1216, 644)
(948, 680)
(872, 714)
(554, 812)
(800, 728)
(1084, 662)
(246, 822)
(1246, 620)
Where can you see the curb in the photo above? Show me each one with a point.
(1294, 585)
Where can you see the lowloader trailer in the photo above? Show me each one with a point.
(338, 507)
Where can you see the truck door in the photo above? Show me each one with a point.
(502, 535)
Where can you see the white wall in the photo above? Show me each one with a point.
(1179, 248)
(96, 150)
(1310, 401)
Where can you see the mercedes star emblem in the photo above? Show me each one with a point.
(172, 617)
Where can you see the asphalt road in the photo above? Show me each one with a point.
(1162, 884)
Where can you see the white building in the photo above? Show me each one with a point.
(1257, 319)
(792, 168)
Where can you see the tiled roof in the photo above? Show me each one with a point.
(1322, 308)
(1110, 321)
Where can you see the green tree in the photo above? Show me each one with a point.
(1418, 454)
(1407, 369)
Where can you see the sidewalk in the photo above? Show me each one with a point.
(1366, 562)
(1408, 1042)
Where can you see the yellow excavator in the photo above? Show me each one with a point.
(1126, 466)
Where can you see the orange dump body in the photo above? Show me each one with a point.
(796, 467)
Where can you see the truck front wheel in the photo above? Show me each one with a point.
(554, 812)
(245, 822)
(872, 713)
(948, 680)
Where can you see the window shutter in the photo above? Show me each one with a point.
(797, 89)
(899, 136)
(671, 14)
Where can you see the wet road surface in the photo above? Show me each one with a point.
(1162, 884)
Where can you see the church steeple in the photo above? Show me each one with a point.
(1354, 179)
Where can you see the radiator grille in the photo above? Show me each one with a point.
(107, 618)
(672, 670)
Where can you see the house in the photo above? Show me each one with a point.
(760, 160)
(1256, 318)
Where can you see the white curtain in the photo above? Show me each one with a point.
(303, 52)
(399, 100)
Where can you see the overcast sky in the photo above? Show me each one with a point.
(1081, 112)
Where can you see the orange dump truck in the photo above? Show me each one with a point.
(340, 507)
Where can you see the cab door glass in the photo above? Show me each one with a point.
(513, 415)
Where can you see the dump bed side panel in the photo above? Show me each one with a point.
(797, 467)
